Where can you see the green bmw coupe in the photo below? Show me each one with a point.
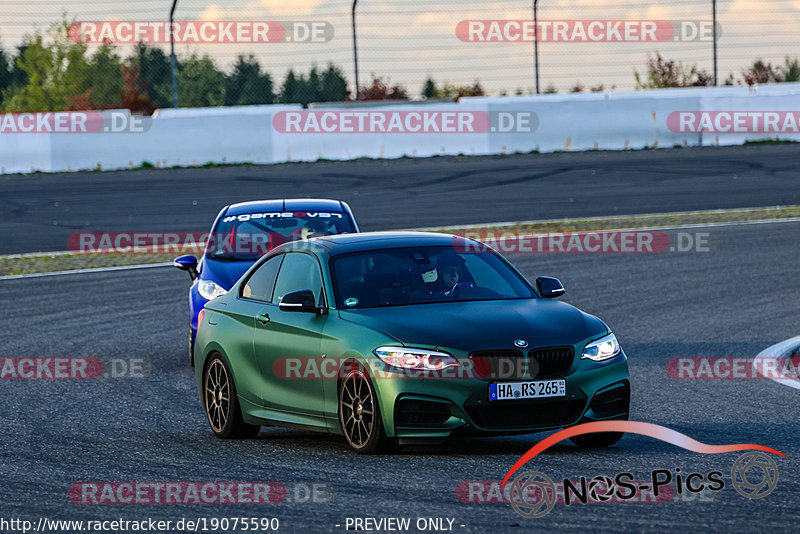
(398, 338)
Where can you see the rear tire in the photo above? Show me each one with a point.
(360, 415)
(222, 403)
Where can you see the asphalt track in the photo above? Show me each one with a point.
(734, 300)
(40, 211)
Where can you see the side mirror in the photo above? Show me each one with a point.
(549, 288)
(187, 263)
(301, 301)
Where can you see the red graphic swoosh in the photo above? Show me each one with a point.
(632, 427)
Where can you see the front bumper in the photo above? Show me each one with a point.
(439, 407)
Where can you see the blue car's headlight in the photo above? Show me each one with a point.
(602, 349)
(210, 290)
(417, 359)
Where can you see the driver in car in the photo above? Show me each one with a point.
(446, 283)
(447, 278)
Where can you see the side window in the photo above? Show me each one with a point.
(299, 271)
(259, 286)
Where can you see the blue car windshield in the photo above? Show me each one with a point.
(397, 277)
(246, 237)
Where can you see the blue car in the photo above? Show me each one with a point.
(244, 232)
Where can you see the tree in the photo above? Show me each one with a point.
(334, 85)
(155, 74)
(247, 85)
(429, 89)
(381, 90)
(550, 90)
(669, 73)
(200, 84)
(133, 97)
(290, 88)
(52, 72)
(5, 71)
(314, 86)
(103, 78)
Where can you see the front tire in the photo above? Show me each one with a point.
(222, 403)
(360, 415)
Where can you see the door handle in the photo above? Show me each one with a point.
(263, 318)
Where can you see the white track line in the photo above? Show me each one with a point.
(775, 352)
(86, 271)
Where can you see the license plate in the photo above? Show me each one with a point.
(536, 389)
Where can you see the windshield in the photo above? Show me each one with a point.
(249, 236)
(396, 277)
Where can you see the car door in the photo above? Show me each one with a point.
(256, 293)
(287, 344)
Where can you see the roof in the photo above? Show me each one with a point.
(347, 243)
(289, 204)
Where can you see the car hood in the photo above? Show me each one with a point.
(484, 325)
(224, 273)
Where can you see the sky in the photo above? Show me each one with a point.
(407, 41)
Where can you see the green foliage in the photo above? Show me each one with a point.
(5, 70)
(330, 86)
(52, 72)
(200, 84)
(48, 72)
(155, 74)
(761, 72)
(247, 84)
(431, 90)
(103, 77)
(334, 85)
(790, 72)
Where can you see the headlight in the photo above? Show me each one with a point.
(602, 349)
(210, 290)
(424, 360)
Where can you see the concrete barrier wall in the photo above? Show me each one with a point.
(597, 121)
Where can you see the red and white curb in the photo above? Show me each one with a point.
(775, 352)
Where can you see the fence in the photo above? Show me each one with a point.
(403, 44)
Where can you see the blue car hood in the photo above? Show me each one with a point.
(483, 325)
(224, 273)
